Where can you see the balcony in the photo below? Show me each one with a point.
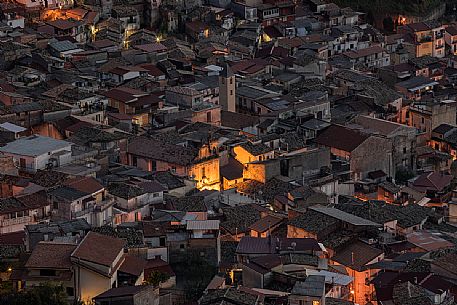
(93, 207)
(425, 39)
(15, 221)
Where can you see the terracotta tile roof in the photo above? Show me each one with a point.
(432, 181)
(103, 43)
(255, 245)
(340, 137)
(124, 94)
(256, 149)
(238, 120)
(133, 265)
(77, 126)
(265, 223)
(364, 52)
(99, 249)
(152, 70)
(15, 238)
(87, 185)
(418, 27)
(447, 262)
(168, 152)
(118, 292)
(51, 256)
(151, 47)
(63, 24)
(356, 255)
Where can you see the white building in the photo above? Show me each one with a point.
(37, 152)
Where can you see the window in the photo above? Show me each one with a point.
(162, 242)
(208, 116)
(181, 246)
(223, 81)
(231, 80)
(153, 165)
(231, 92)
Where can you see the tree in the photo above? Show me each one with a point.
(45, 294)
(403, 175)
(157, 277)
(388, 24)
(198, 272)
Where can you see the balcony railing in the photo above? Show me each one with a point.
(15, 221)
(94, 207)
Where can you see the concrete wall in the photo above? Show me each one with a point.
(262, 171)
(91, 284)
(373, 154)
(252, 278)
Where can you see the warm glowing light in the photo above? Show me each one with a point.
(352, 291)
(206, 33)
(265, 37)
(158, 39)
(10, 269)
(401, 20)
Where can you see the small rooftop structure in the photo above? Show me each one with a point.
(34, 145)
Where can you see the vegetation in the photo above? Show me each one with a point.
(402, 176)
(408, 7)
(156, 278)
(194, 275)
(46, 294)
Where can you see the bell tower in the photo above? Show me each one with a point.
(227, 89)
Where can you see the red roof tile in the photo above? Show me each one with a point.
(51, 255)
(133, 265)
(340, 137)
(364, 52)
(99, 249)
(432, 181)
(15, 238)
(87, 185)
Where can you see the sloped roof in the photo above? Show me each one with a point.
(99, 249)
(356, 255)
(51, 256)
(432, 181)
(340, 137)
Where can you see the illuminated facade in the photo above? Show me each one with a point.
(428, 39)
(154, 156)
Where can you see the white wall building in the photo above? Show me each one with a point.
(37, 152)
